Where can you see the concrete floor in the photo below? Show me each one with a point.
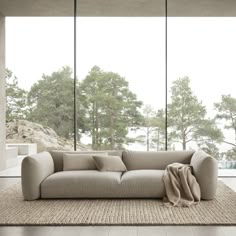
(118, 231)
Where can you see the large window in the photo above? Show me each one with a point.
(39, 85)
(120, 87)
(121, 64)
(202, 98)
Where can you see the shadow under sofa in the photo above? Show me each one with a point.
(43, 175)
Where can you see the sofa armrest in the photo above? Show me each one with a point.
(205, 169)
(34, 169)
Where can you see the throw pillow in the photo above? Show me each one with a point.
(79, 161)
(109, 163)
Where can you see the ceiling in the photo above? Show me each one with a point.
(118, 7)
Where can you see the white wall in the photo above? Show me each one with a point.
(2, 94)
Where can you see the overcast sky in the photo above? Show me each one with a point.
(202, 48)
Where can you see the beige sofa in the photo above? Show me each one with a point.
(43, 175)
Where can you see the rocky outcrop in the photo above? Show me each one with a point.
(23, 131)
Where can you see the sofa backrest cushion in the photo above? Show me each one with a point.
(137, 160)
(78, 162)
(57, 156)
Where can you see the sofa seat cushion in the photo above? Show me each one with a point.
(81, 184)
(142, 184)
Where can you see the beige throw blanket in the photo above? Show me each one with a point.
(181, 186)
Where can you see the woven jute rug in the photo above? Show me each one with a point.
(15, 211)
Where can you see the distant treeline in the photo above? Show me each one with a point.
(106, 108)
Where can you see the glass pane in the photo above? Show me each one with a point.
(39, 85)
(121, 65)
(202, 98)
